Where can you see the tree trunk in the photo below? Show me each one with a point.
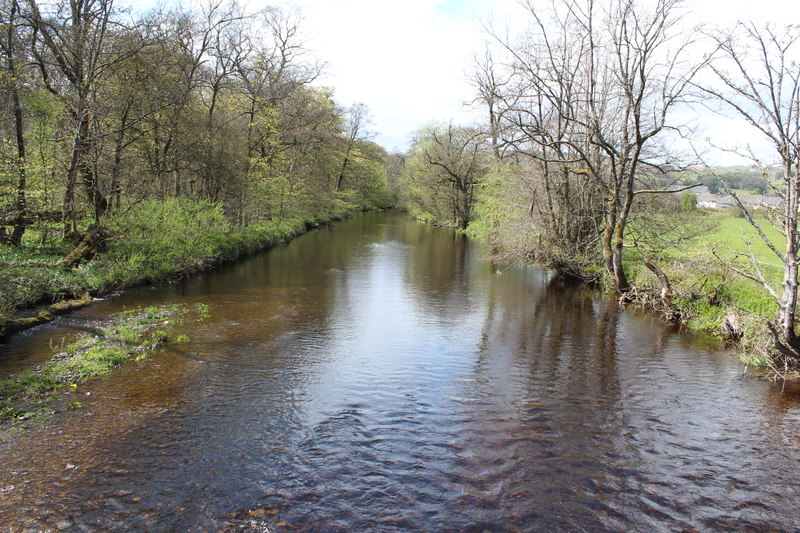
(119, 145)
(70, 210)
(608, 238)
(666, 290)
(340, 178)
(788, 302)
(97, 199)
(21, 200)
(612, 249)
(620, 279)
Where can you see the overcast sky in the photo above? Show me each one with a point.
(408, 61)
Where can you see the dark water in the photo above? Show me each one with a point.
(381, 376)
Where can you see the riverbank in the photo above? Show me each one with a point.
(37, 393)
(690, 282)
(707, 294)
(154, 241)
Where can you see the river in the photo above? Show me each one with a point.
(381, 375)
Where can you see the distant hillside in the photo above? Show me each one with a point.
(744, 178)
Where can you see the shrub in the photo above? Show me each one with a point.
(688, 202)
(734, 212)
(161, 238)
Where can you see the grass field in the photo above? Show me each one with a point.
(707, 289)
(733, 235)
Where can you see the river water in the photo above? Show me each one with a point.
(380, 375)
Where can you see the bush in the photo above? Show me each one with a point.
(162, 238)
(688, 202)
(733, 212)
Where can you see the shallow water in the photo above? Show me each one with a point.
(380, 375)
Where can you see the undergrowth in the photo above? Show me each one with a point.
(152, 241)
(706, 290)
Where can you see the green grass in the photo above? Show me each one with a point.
(706, 287)
(734, 234)
(150, 242)
(132, 334)
(30, 274)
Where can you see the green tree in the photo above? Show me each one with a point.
(688, 202)
(446, 166)
(12, 76)
(73, 47)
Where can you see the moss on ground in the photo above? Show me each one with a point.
(132, 334)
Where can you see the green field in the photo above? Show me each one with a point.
(733, 235)
(707, 289)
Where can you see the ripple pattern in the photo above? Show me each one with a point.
(381, 376)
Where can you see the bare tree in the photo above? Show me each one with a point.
(489, 81)
(758, 79)
(357, 119)
(534, 106)
(451, 164)
(595, 84)
(271, 74)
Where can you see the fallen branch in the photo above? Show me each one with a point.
(93, 241)
(44, 316)
(666, 290)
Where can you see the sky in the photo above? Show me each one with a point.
(409, 61)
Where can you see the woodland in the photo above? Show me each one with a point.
(142, 146)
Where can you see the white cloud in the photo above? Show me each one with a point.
(727, 12)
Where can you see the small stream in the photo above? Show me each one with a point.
(381, 375)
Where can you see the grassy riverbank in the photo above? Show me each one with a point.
(36, 393)
(695, 250)
(706, 289)
(153, 241)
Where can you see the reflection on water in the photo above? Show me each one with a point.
(381, 376)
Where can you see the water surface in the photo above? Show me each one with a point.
(380, 375)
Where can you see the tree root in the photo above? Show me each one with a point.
(732, 328)
(654, 302)
(787, 354)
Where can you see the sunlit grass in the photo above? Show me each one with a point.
(132, 334)
(737, 235)
(707, 288)
(153, 241)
